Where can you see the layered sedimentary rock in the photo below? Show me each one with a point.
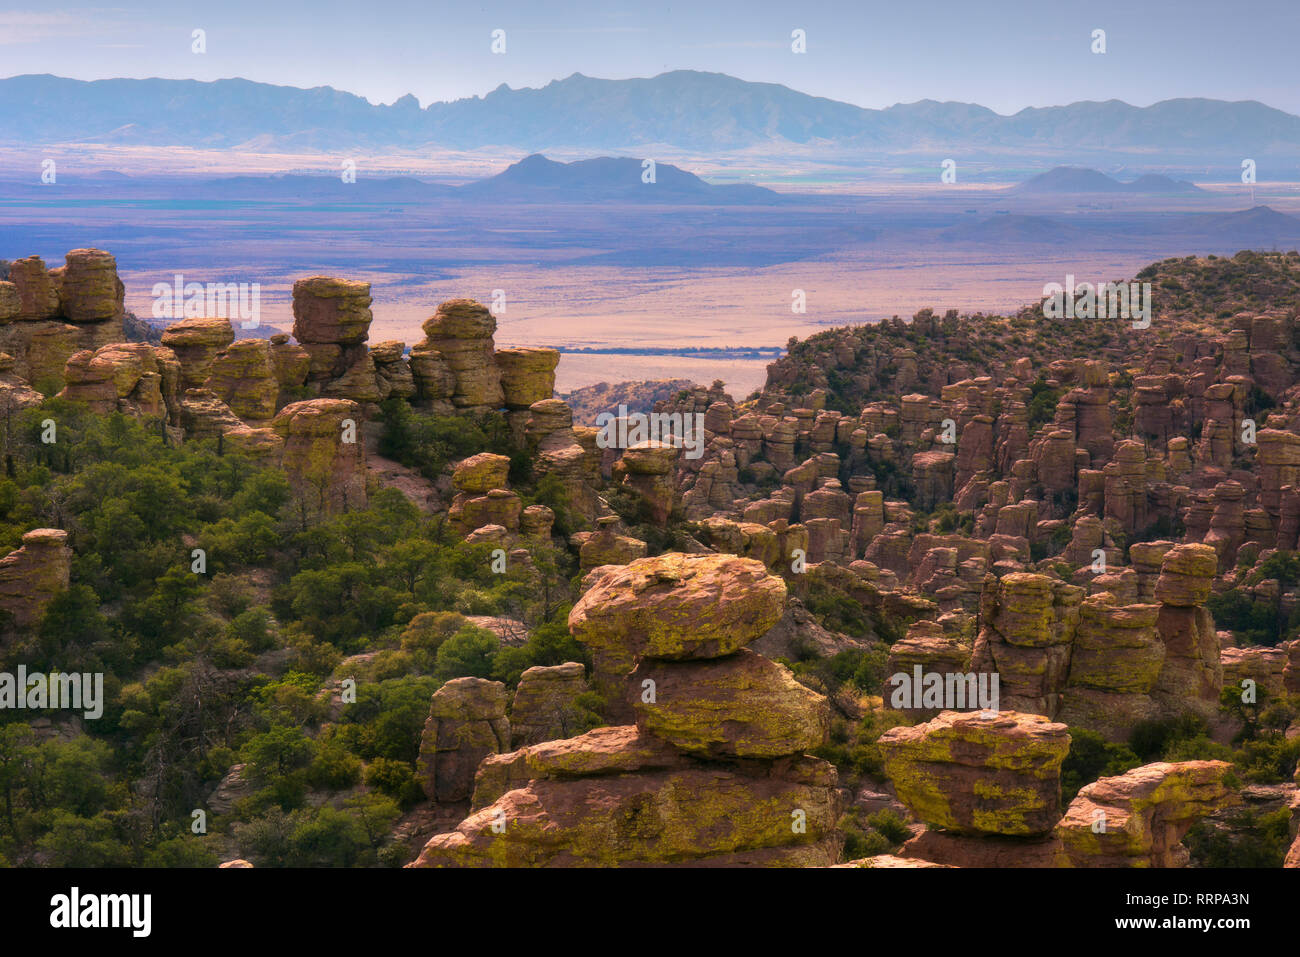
(196, 342)
(244, 376)
(46, 315)
(331, 321)
(30, 577)
(527, 375)
(1116, 660)
(131, 377)
(467, 721)
(1192, 675)
(1139, 818)
(742, 705)
(1028, 627)
(461, 332)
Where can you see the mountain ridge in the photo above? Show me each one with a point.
(679, 109)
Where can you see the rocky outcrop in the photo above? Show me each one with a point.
(976, 775)
(32, 575)
(1139, 818)
(672, 607)
(460, 332)
(196, 342)
(713, 772)
(331, 321)
(323, 455)
(545, 705)
(245, 377)
(46, 315)
(131, 377)
(467, 721)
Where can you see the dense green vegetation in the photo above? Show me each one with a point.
(244, 662)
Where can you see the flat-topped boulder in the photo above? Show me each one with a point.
(971, 774)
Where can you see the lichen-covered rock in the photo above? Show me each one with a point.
(37, 295)
(743, 705)
(527, 375)
(323, 454)
(698, 815)
(131, 377)
(11, 304)
(30, 576)
(545, 706)
(467, 721)
(1137, 819)
(196, 343)
(461, 330)
(331, 311)
(1186, 574)
(89, 290)
(1262, 665)
(244, 376)
(676, 607)
(481, 473)
(980, 775)
(1028, 627)
(608, 547)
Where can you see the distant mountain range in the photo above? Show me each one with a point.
(681, 109)
(1077, 179)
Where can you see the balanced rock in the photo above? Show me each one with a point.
(461, 331)
(331, 311)
(675, 607)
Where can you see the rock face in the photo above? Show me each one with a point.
(739, 706)
(460, 332)
(33, 574)
(131, 377)
(1192, 674)
(1029, 622)
(711, 775)
(467, 721)
(980, 776)
(545, 707)
(1138, 818)
(46, 315)
(674, 607)
(196, 342)
(323, 454)
(243, 375)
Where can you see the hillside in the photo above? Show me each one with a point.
(356, 603)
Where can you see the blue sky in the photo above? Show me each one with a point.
(1004, 54)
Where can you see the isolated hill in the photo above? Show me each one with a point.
(682, 108)
(533, 179)
(1078, 179)
(538, 179)
(1258, 224)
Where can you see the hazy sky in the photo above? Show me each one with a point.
(1004, 54)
